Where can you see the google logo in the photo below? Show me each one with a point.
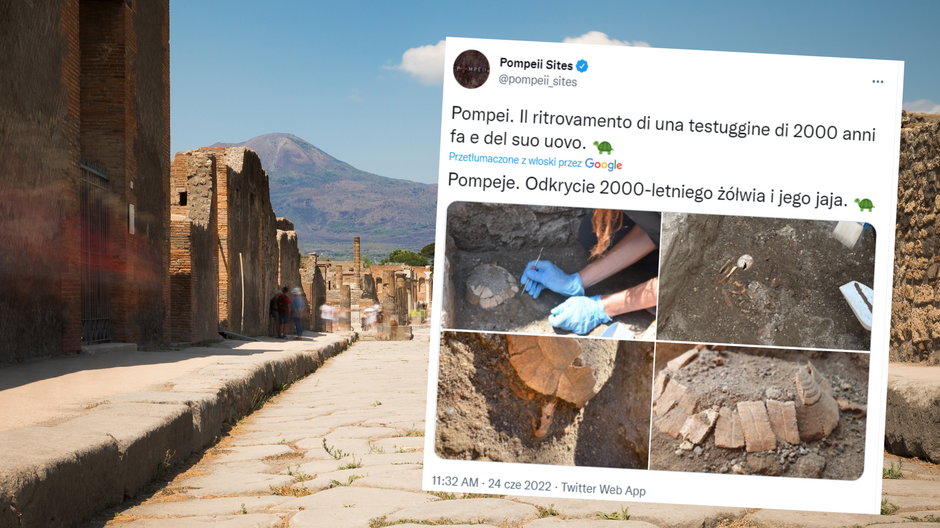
(609, 165)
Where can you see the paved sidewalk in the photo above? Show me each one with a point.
(84, 432)
(343, 448)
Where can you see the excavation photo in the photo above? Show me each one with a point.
(551, 270)
(766, 281)
(545, 400)
(759, 411)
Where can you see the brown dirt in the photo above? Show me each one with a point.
(789, 297)
(481, 417)
(723, 378)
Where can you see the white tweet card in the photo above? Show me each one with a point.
(662, 275)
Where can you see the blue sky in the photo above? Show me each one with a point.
(333, 73)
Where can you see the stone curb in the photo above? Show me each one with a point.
(911, 426)
(58, 475)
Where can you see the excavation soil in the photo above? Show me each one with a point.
(738, 374)
(789, 297)
(484, 411)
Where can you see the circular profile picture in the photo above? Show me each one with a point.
(471, 69)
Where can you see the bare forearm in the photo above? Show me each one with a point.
(632, 299)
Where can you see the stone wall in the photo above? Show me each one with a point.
(248, 265)
(194, 248)
(288, 255)
(228, 249)
(915, 329)
(83, 82)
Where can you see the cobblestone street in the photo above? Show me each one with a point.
(343, 448)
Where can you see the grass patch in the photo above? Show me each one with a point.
(443, 495)
(740, 522)
(333, 451)
(376, 403)
(382, 522)
(411, 431)
(374, 449)
(287, 490)
(892, 471)
(622, 515)
(888, 507)
(929, 519)
(352, 478)
(299, 475)
(164, 466)
(355, 464)
(547, 512)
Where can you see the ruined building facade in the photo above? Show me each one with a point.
(229, 253)
(84, 152)
(397, 288)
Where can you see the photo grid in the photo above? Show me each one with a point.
(727, 344)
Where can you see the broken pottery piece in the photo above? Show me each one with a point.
(697, 426)
(490, 285)
(671, 423)
(682, 360)
(659, 384)
(728, 433)
(758, 435)
(817, 412)
(671, 395)
(783, 421)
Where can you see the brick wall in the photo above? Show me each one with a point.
(194, 241)
(72, 79)
(248, 251)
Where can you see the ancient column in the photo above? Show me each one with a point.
(357, 263)
(345, 312)
(401, 294)
(389, 304)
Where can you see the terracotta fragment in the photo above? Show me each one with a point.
(728, 432)
(817, 412)
(683, 360)
(659, 384)
(697, 426)
(671, 423)
(673, 392)
(782, 417)
(758, 435)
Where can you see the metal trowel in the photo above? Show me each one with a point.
(860, 299)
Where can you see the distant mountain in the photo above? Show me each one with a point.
(330, 201)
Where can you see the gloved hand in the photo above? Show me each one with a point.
(547, 275)
(579, 314)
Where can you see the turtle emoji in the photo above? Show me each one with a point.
(864, 204)
(548, 367)
(603, 147)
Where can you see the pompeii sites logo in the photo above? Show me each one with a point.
(471, 69)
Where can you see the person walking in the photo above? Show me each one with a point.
(298, 308)
(283, 313)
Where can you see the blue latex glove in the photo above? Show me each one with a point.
(544, 274)
(579, 314)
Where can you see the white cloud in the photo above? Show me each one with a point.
(598, 37)
(425, 63)
(922, 105)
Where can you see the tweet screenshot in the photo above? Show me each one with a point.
(663, 275)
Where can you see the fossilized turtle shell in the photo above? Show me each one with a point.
(817, 412)
(490, 285)
(546, 365)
